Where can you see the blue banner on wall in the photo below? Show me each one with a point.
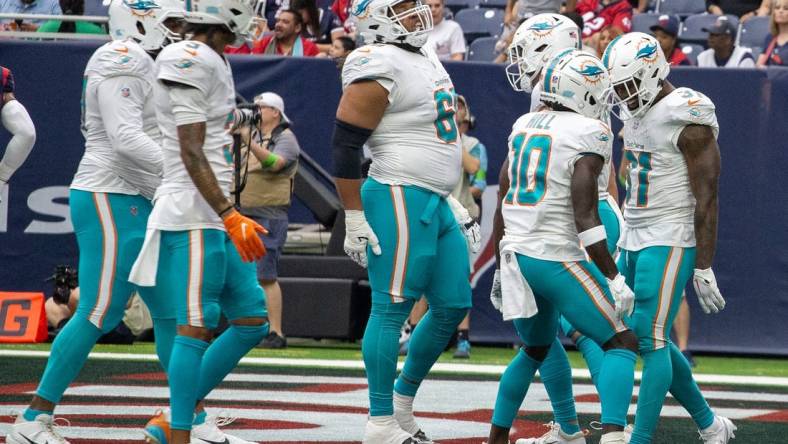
(752, 256)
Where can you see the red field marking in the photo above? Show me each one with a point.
(155, 376)
(779, 416)
(331, 388)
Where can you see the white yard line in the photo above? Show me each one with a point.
(452, 368)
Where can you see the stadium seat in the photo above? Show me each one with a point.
(692, 51)
(681, 8)
(480, 22)
(95, 7)
(692, 28)
(499, 4)
(644, 22)
(753, 32)
(457, 5)
(482, 49)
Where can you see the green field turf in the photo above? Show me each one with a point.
(308, 349)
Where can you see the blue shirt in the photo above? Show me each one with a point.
(778, 56)
(479, 180)
(37, 7)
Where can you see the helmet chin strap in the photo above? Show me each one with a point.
(408, 47)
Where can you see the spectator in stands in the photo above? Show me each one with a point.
(603, 14)
(266, 198)
(71, 7)
(605, 37)
(739, 8)
(722, 50)
(340, 48)
(762, 11)
(446, 37)
(776, 44)
(320, 25)
(286, 39)
(50, 7)
(666, 31)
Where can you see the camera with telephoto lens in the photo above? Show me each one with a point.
(65, 279)
(250, 114)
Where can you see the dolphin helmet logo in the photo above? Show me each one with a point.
(543, 28)
(141, 7)
(590, 71)
(361, 7)
(647, 53)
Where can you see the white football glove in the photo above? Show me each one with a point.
(358, 234)
(496, 297)
(623, 295)
(709, 295)
(470, 228)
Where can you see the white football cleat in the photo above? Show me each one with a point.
(209, 432)
(720, 431)
(613, 438)
(555, 436)
(385, 431)
(38, 431)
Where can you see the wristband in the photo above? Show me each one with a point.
(226, 210)
(592, 235)
(270, 160)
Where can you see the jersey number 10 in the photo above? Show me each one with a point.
(528, 169)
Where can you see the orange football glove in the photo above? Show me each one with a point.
(243, 232)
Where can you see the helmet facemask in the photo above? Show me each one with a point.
(521, 70)
(400, 33)
(632, 90)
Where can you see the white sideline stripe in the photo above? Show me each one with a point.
(478, 369)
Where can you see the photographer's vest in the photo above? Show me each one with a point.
(268, 189)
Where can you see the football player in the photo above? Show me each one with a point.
(110, 201)
(401, 223)
(17, 121)
(670, 233)
(550, 209)
(202, 249)
(534, 42)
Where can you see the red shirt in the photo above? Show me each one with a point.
(243, 49)
(7, 85)
(310, 49)
(678, 58)
(598, 16)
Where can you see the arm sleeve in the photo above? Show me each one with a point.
(595, 138)
(691, 108)
(17, 121)
(287, 146)
(121, 101)
(186, 66)
(366, 63)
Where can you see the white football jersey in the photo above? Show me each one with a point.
(179, 205)
(417, 141)
(537, 209)
(660, 206)
(604, 176)
(126, 74)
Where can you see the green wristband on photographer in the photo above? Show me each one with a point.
(270, 160)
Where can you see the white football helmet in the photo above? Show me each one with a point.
(237, 15)
(637, 69)
(535, 41)
(143, 21)
(579, 81)
(378, 23)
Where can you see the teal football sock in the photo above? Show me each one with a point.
(31, 414)
(686, 391)
(556, 375)
(69, 353)
(184, 377)
(199, 418)
(616, 381)
(380, 348)
(512, 389)
(657, 376)
(427, 342)
(593, 355)
(225, 352)
(164, 331)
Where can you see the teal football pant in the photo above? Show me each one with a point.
(423, 253)
(110, 229)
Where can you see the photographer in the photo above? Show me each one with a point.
(266, 199)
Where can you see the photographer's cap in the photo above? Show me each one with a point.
(274, 101)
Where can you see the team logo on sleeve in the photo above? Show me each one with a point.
(602, 137)
(184, 64)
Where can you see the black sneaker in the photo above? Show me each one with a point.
(273, 340)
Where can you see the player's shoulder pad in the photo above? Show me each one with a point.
(187, 62)
(369, 62)
(686, 106)
(594, 136)
(122, 58)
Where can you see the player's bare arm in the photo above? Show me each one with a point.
(702, 153)
(585, 199)
(191, 138)
(498, 228)
(362, 105)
